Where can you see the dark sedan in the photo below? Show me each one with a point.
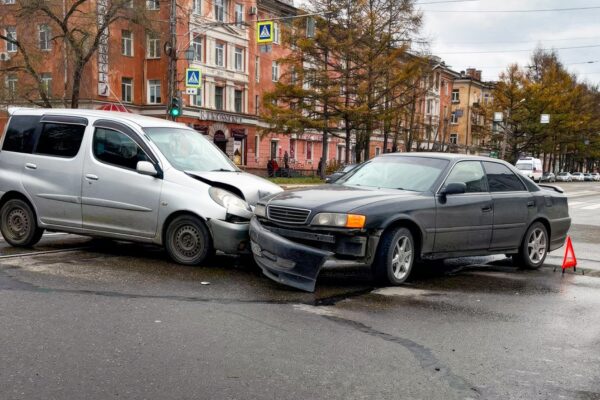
(398, 209)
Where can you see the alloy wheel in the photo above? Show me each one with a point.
(537, 246)
(402, 257)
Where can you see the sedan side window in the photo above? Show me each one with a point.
(502, 179)
(471, 174)
(116, 148)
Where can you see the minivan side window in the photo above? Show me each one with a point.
(501, 178)
(116, 148)
(60, 140)
(20, 135)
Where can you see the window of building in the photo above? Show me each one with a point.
(256, 147)
(47, 83)
(220, 6)
(455, 96)
(239, 59)
(275, 71)
(502, 179)
(127, 43)
(377, 151)
(20, 134)
(471, 174)
(60, 140)
(152, 4)
(454, 138)
(257, 69)
(454, 118)
(11, 33)
(9, 1)
(44, 36)
(126, 90)
(118, 149)
(220, 55)
(196, 99)
(429, 104)
(309, 151)
(276, 33)
(239, 101)
(310, 27)
(219, 93)
(256, 104)
(154, 96)
(11, 86)
(153, 46)
(197, 7)
(197, 47)
(239, 14)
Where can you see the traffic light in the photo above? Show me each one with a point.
(175, 110)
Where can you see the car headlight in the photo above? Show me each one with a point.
(260, 211)
(339, 220)
(227, 199)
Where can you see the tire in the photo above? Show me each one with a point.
(534, 248)
(18, 224)
(188, 240)
(395, 257)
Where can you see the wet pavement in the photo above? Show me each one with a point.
(96, 319)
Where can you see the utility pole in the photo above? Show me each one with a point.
(172, 56)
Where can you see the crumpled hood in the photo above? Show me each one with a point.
(336, 198)
(252, 187)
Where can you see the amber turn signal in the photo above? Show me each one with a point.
(356, 221)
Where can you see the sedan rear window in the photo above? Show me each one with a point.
(407, 173)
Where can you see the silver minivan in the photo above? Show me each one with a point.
(126, 177)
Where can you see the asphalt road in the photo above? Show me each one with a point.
(83, 318)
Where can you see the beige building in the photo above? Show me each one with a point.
(468, 133)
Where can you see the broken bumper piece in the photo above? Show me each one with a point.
(284, 261)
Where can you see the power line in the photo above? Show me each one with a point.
(525, 41)
(445, 1)
(518, 50)
(516, 11)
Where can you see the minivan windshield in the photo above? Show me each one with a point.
(524, 167)
(417, 174)
(188, 150)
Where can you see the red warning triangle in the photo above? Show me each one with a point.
(570, 260)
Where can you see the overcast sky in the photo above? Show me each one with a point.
(459, 36)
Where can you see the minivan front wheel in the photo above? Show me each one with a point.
(188, 241)
(18, 224)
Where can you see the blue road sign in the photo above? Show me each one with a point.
(193, 78)
(264, 32)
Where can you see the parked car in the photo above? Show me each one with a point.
(596, 176)
(123, 176)
(564, 177)
(578, 176)
(548, 177)
(588, 177)
(339, 173)
(400, 208)
(530, 167)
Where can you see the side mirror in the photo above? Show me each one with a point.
(454, 188)
(146, 168)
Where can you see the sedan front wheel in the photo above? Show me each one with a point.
(395, 257)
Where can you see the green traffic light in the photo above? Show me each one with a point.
(175, 112)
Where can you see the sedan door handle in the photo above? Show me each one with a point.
(531, 204)
(91, 177)
(30, 166)
(486, 208)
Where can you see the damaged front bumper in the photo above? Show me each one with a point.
(290, 263)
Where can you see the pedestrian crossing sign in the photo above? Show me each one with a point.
(193, 78)
(264, 32)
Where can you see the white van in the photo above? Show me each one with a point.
(531, 168)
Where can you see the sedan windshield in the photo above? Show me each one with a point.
(405, 173)
(188, 150)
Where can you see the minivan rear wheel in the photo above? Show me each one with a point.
(188, 241)
(18, 224)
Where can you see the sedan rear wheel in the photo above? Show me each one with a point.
(18, 224)
(188, 240)
(395, 257)
(534, 247)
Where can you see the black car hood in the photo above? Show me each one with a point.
(336, 198)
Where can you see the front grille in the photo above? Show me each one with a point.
(288, 215)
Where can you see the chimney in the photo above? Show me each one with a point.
(478, 75)
(471, 73)
(462, 74)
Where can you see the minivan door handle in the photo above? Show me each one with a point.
(531, 203)
(30, 166)
(91, 177)
(486, 208)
